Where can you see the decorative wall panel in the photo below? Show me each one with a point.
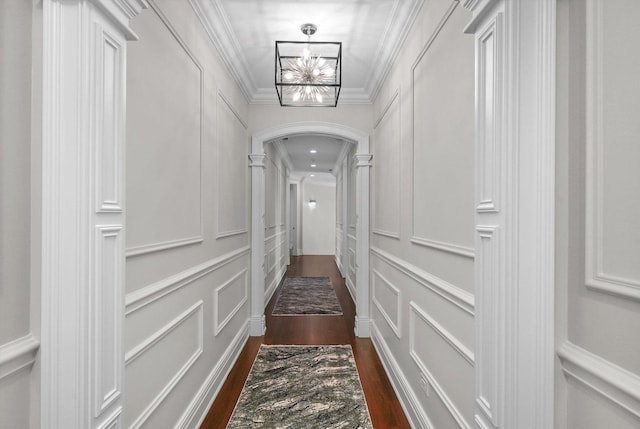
(386, 175)
(443, 150)
(232, 171)
(164, 143)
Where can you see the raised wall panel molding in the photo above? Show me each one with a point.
(596, 277)
(395, 325)
(199, 406)
(107, 310)
(219, 325)
(488, 118)
(114, 421)
(140, 298)
(108, 157)
(18, 355)
(455, 343)
(488, 322)
(387, 201)
(417, 237)
(467, 252)
(238, 134)
(411, 405)
(442, 394)
(146, 345)
(83, 255)
(616, 384)
(195, 237)
(456, 296)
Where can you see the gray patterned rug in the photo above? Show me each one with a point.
(302, 387)
(306, 296)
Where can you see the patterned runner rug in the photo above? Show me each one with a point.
(302, 387)
(306, 296)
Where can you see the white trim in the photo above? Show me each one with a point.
(163, 245)
(456, 296)
(408, 400)
(218, 325)
(74, 110)
(147, 344)
(595, 277)
(456, 249)
(18, 355)
(614, 383)
(447, 336)
(140, 298)
(393, 324)
(214, 381)
(448, 403)
(519, 380)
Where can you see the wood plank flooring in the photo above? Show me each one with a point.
(384, 408)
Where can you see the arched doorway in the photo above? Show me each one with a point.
(363, 157)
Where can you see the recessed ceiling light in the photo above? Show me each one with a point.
(313, 151)
(313, 175)
(313, 165)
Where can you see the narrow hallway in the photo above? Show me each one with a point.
(384, 409)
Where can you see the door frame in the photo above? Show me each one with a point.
(257, 157)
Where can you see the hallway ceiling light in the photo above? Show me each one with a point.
(313, 166)
(313, 151)
(308, 74)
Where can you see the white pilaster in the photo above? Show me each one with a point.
(84, 81)
(514, 270)
(362, 325)
(257, 323)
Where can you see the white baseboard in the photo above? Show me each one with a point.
(408, 400)
(197, 411)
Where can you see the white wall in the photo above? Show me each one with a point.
(319, 222)
(18, 342)
(598, 215)
(187, 270)
(422, 254)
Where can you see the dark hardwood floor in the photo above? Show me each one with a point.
(384, 408)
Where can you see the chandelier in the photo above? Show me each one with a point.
(308, 74)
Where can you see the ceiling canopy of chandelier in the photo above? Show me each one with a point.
(308, 74)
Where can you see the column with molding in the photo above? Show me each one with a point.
(83, 211)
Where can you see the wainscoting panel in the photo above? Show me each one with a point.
(388, 299)
(164, 178)
(232, 176)
(435, 351)
(442, 146)
(228, 299)
(175, 348)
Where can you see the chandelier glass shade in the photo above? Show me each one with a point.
(308, 74)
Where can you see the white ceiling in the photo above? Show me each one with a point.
(328, 152)
(245, 31)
